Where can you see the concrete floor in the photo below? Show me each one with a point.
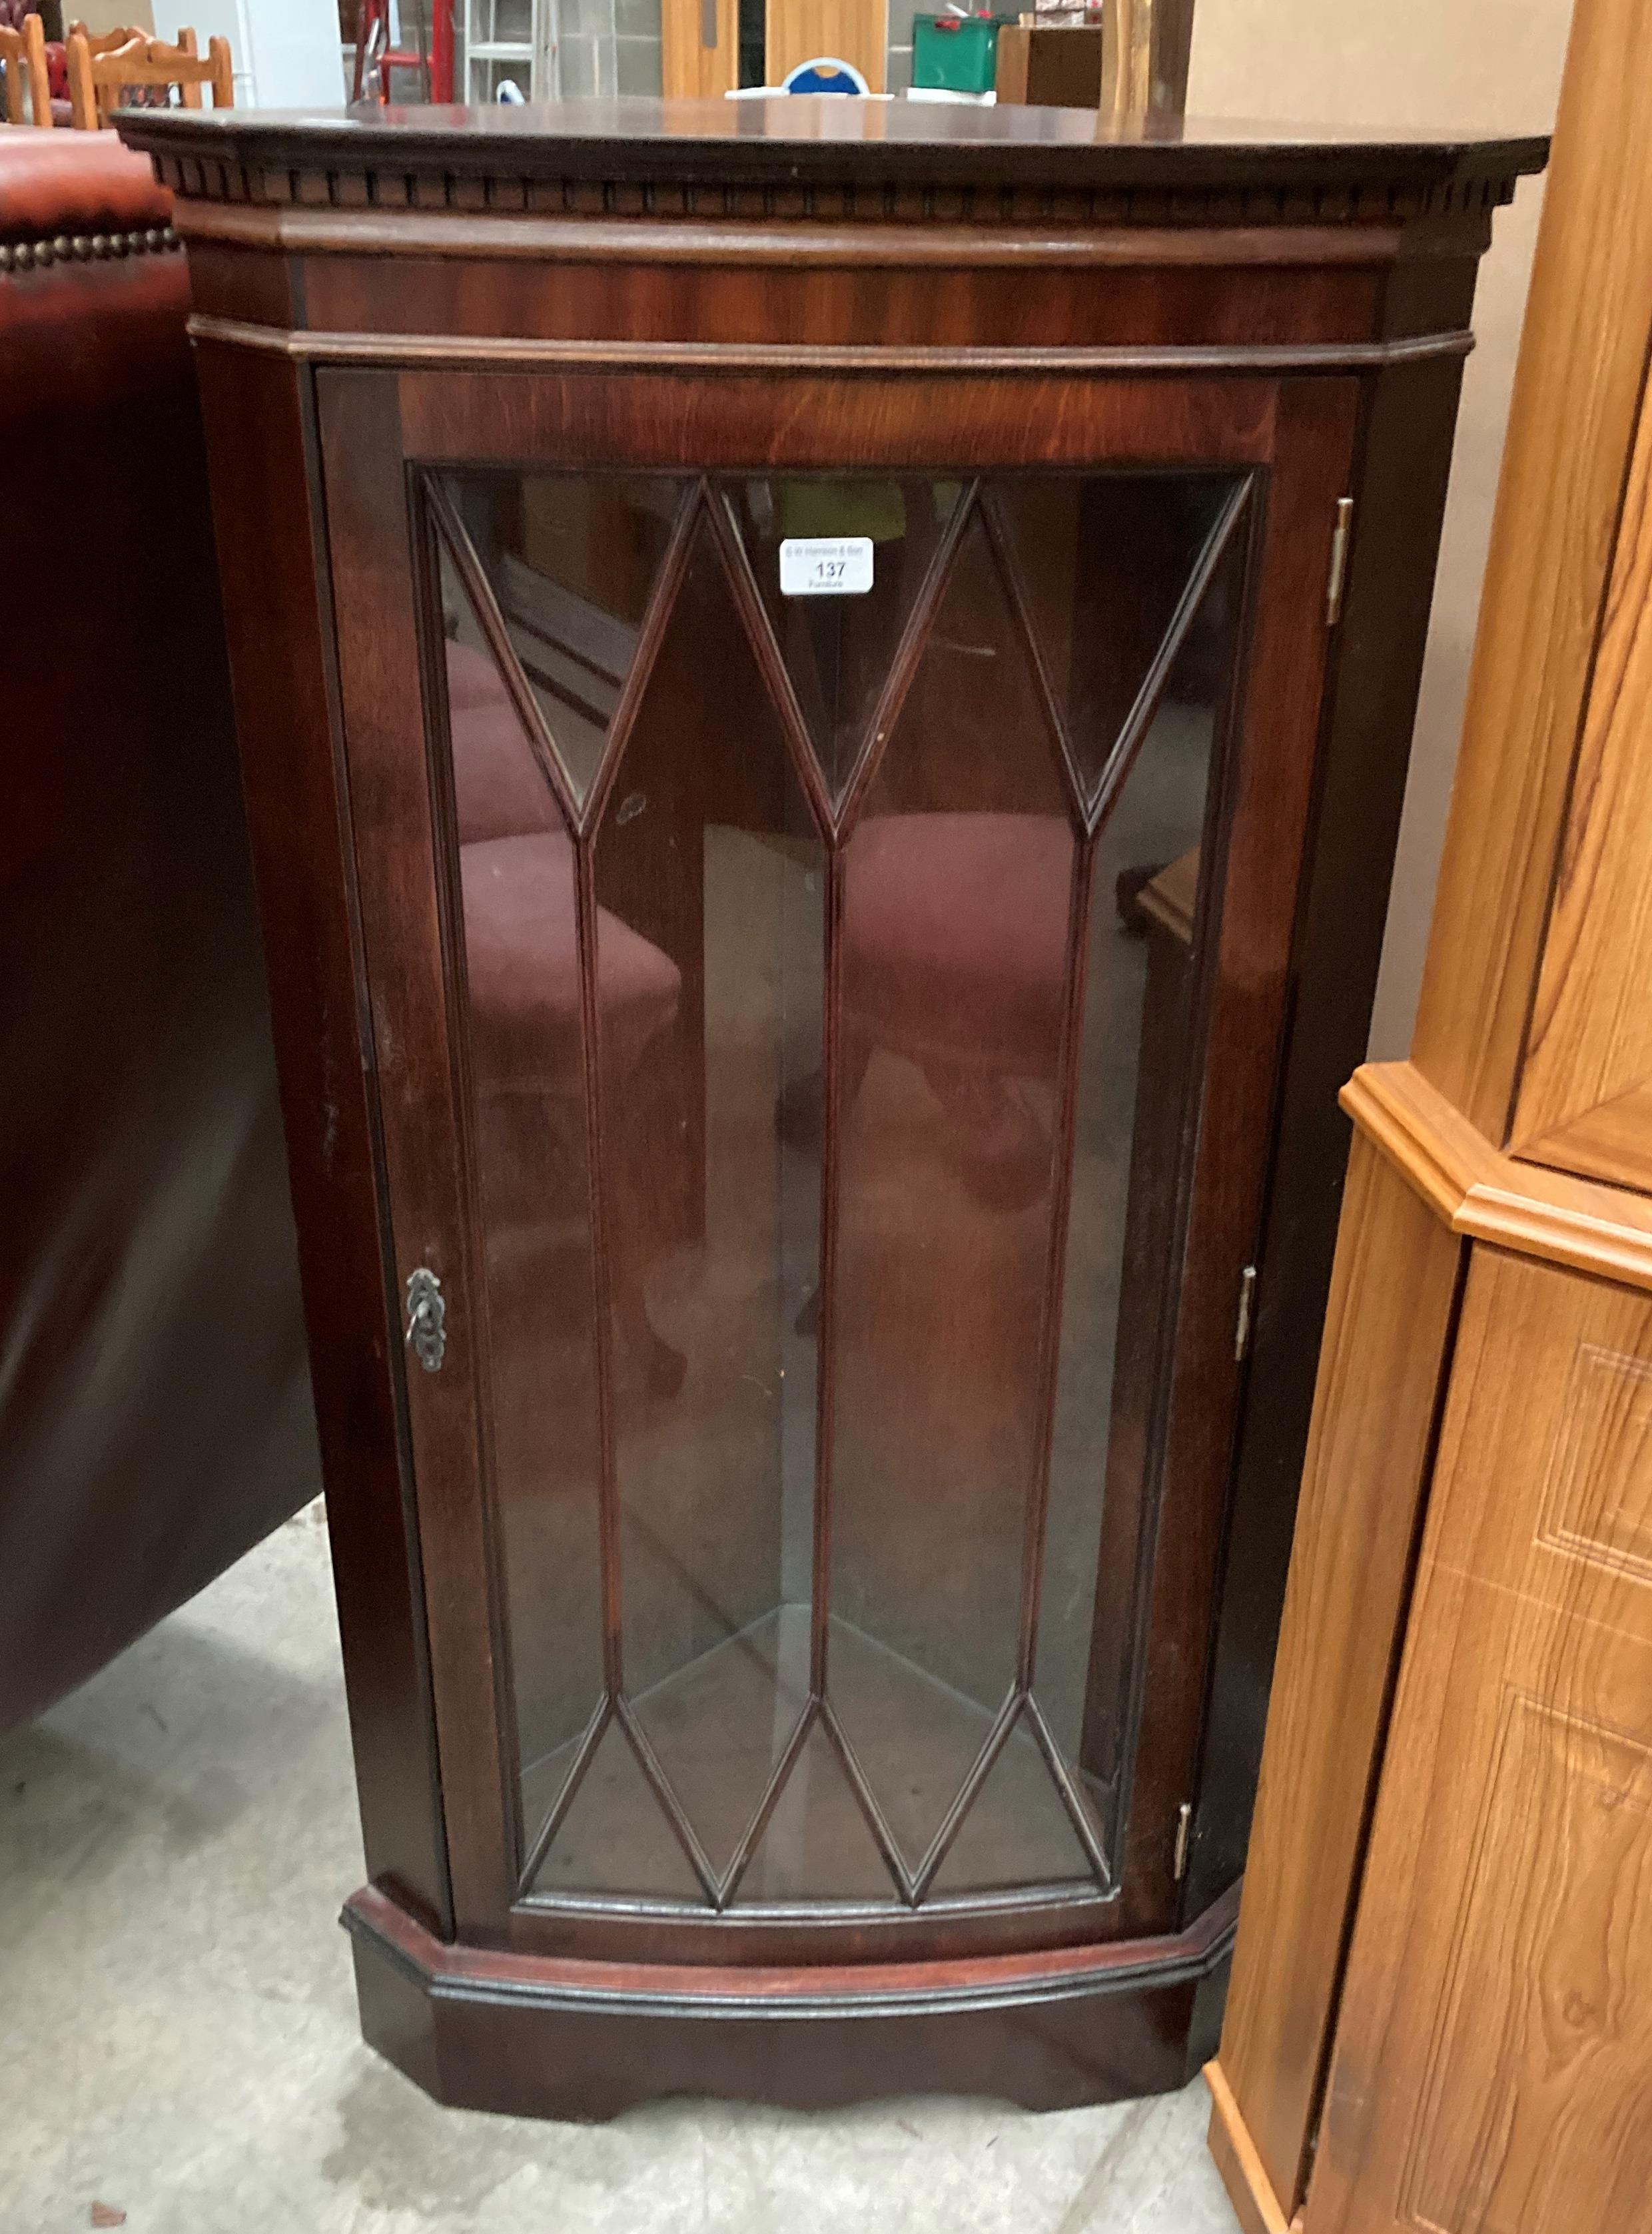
(177, 2034)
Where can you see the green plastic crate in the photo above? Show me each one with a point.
(957, 53)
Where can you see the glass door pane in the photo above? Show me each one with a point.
(833, 945)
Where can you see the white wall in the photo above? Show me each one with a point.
(287, 53)
(1470, 65)
(100, 16)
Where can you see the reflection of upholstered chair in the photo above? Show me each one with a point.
(522, 965)
(499, 792)
(472, 680)
(516, 874)
(972, 993)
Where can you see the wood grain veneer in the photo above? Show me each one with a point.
(1243, 2175)
(1439, 2021)
(1486, 1195)
(1376, 1408)
(260, 429)
(1496, 2027)
(1577, 398)
(1381, 1366)
(853, 30)
(1585, 1091)
(1422, 1181)
(414, 1079)
(690, 68)
(870, 163)
(481, 2029)
(1386, 602)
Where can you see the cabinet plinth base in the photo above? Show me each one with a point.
(541, 2037)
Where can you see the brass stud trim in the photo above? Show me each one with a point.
(85, 248)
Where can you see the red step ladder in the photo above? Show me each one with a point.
(374, 53)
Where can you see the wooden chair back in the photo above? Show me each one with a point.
(24, 52)
(96, 81)
(104, 42)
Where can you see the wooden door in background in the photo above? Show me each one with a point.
(699, 48)
(851, 30)
(1490, 2068)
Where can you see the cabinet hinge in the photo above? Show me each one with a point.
(1247, 1308)
(1184, 1826)
(1338, 574)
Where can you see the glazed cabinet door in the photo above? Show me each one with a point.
(827, 865)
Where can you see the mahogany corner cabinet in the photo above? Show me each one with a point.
(825, 690)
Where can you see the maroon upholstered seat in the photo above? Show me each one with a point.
(954, 930)
(498, 791)
(522, 962)
(472, 679)
(522, 965)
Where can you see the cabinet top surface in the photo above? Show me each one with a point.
(833, 139)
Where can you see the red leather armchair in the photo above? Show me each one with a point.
(155, 1403)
